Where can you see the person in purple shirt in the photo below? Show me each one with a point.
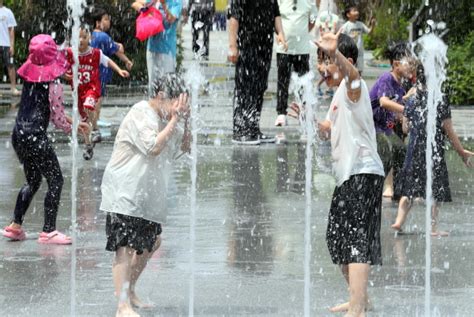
(103, 41)
(387, 97)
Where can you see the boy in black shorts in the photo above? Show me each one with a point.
(353, 233)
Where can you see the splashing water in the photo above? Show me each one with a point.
(76, 11)
(302, 88)
(433, 57)
(328, 5)
(194, 79)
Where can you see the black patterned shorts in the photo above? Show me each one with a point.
(353, 233)
(7, 59)
(127, 231)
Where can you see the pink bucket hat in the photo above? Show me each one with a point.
(45, 62)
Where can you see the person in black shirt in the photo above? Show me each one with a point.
(251, 27)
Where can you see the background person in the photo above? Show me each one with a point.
(7, 44)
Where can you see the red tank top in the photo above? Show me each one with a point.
(89, 71)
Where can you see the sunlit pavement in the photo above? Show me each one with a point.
(249, 237)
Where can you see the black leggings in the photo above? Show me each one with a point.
(285, 63)
(38, 158)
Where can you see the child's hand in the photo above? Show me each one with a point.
(67, 76)
(282, 41)
(410, 93)
(129, 65)
(180, 108)
(84, 128)
(295, 110)
(324, 130)
(373, 21)
(466, 157)
(123, 73)
(328, 42)
(233, 55)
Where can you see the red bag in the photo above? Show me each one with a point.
(149, 23)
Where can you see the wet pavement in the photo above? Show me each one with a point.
(249, 243)
(250, 227)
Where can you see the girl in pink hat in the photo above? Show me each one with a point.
(41, 102)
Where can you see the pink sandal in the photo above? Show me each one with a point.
(14, 234)
(54, 237)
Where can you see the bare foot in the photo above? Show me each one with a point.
(125, 310)
(14, 225)
(340, 308)
(396, 227)
(349, 314)
(439, 233)
(136, 302)
(345, 307)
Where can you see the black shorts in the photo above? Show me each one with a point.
(353, 233)
(127, 231)
(7, 59)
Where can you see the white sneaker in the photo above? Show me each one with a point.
(96, 136)
(280, 120)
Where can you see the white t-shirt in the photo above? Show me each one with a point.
(295, 25)
(135, 181)
(355, 31)
(353, 141)
(7, 20)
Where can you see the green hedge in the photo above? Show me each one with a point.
(461, 72)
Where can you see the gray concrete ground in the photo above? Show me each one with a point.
(249, 233)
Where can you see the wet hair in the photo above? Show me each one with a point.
(171, 84)
(398, 51)
(420, 75)
(345, 45)
(348, 9)
(85, 27)
(97, 15)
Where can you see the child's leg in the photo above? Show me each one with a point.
(399, 153)
(404, 207)
(388, 185)
(345, 306)
(86, 134)
(121, 272)
(12, 75)
(27, 192)
(50, 168)
(434, 222)
(95, 116)
(358, 280)
(139, 263)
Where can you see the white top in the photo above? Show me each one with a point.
(7, 20)
(355, 31)
(135, 181)
(353, 142)
(295, 25)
